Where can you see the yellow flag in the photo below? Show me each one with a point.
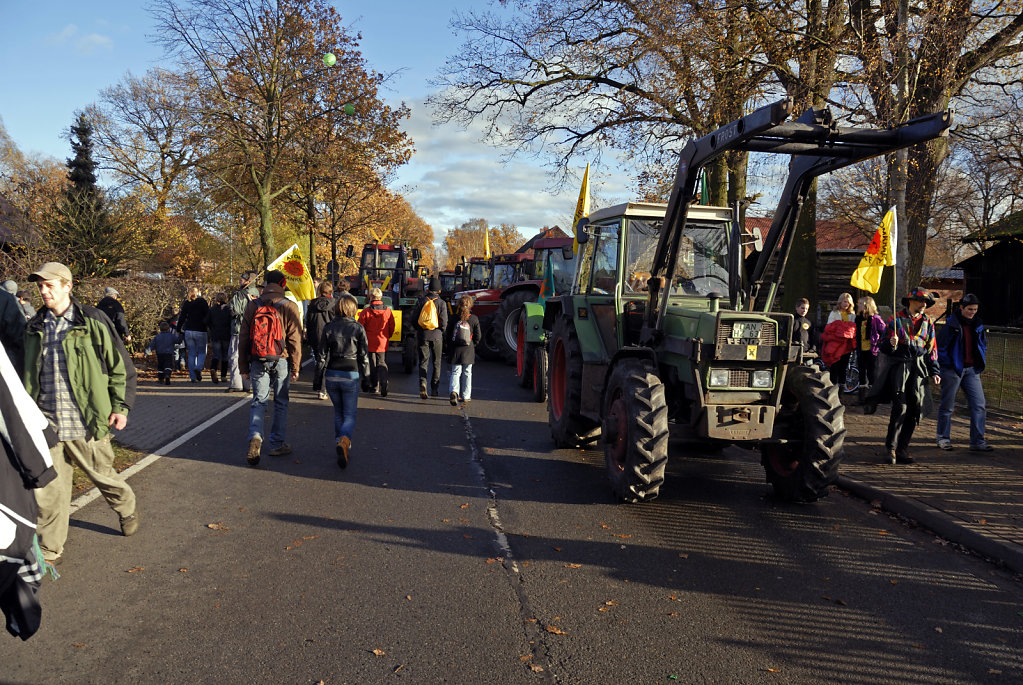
(880, 253)
(582, 207)
(486, 242)
(293, 266)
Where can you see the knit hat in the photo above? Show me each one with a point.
(968, 299)
(920, 295)
(434, 284)
(275, 277)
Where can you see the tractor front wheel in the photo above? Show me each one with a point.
(564, 387)
(635, 431)
(813, 421)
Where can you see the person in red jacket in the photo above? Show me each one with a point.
(378, 320)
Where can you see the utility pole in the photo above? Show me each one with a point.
(900, 173)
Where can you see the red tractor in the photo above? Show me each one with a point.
(507, 271)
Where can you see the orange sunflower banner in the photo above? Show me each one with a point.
(294, 268)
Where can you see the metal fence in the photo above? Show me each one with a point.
(1003, 376)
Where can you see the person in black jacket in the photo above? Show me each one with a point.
(192, 322)
(463, 333)
(218, 323)
(115, 312)
(318, 314)
(345, 358)
(430, 339)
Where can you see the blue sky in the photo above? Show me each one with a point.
(55, 58)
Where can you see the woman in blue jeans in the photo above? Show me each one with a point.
(962, 345)
(463, 334)
(192, 323)
(344, 358)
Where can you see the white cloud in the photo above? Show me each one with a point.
(455, 177)
(87, 44)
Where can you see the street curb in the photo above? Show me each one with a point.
(938, 521)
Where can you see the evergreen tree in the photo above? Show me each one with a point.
(96, 243)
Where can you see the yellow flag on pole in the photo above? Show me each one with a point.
(582, 207)
(294, 268)
(880, 253)
(486, 242)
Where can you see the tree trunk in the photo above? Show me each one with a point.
(800, 278)
(264, 208)
(924, 161)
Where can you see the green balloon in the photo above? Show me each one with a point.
(349, 109)
(329, 59)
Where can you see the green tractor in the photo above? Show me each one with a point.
(664, 329)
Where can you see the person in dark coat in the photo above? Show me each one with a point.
(911, 347)
(25, 300)
(463, 333)
(345, 359)
(218, 323)
(318, 314)
(805, 332)
(192, 323)
(430, 340)
(12, 329)
(115, 312)
(962, 348)
(869, 330)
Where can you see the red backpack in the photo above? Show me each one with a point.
(267, 333)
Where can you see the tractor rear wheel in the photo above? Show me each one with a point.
(487, 347)
(635, 430)
(814, 424)
(506, 323)
(538, 372)
(564, 388)
(523, 352)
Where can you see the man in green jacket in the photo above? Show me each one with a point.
(79, 373)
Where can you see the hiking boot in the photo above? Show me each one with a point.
(322, 394)
(344, 445)
(945, 444)
(422, 391)
(891, 457)
(255, 445)
(213, 376)
(453, 399)
(383, 388)
(982, 447)
(130, 523)
(904, 458)
(284, 449)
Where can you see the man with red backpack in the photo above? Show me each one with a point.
(378, 320)
(270, 352)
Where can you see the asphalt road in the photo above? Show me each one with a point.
(460, 547)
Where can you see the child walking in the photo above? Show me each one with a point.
(164, 345)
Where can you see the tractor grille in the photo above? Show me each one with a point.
(740, 378)
(768, 332)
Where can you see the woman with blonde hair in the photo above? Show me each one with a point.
(463, 334)
(344, 358)
(838, 338)
(869, 329)
(192, 323)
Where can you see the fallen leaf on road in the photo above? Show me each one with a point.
(624, 536)
(408, 597)
(841, 602)
(605, 526)
(467, 537)
(894, 582)
(556, 549)
(882, 532)
(535, 669)
(994, 671)
(683, 555)
(573, 565)
(217, 526)
(462, 520)
(445, 520)
(526, 657)
(464, 506)
(183, 570)
(556, 630)
(310, 537)
(136, 569)
(603, 609)
(672, 613)
(982, 521)
(379, 652)
(773, 670)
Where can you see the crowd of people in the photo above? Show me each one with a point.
(897, 358)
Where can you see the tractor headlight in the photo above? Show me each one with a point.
(719, 378)
(763, 379)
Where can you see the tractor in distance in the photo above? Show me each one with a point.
(394, 268)
(507, 270)
(662, 328)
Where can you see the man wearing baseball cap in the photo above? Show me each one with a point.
(910, 344)
(79, 373)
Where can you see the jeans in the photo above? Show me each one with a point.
(951, 382)
(465, 371)
(164, 365)
(237, 382)
(219, 355)
(343, 392)
(195, 344)
(262, 376)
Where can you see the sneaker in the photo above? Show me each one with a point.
(465, 401)
(383, 389)
(322, 395)
(422, 392)
(453, 399)
(891, 457)
(284, 449)
(945, 444)
(255, 445)
(344, 445)
(982, 447)
(130, 523)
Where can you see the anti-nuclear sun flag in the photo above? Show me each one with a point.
(293, 266)
(880, 253)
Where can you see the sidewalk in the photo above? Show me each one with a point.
(971, 498)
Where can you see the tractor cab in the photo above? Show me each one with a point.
(392, 268)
